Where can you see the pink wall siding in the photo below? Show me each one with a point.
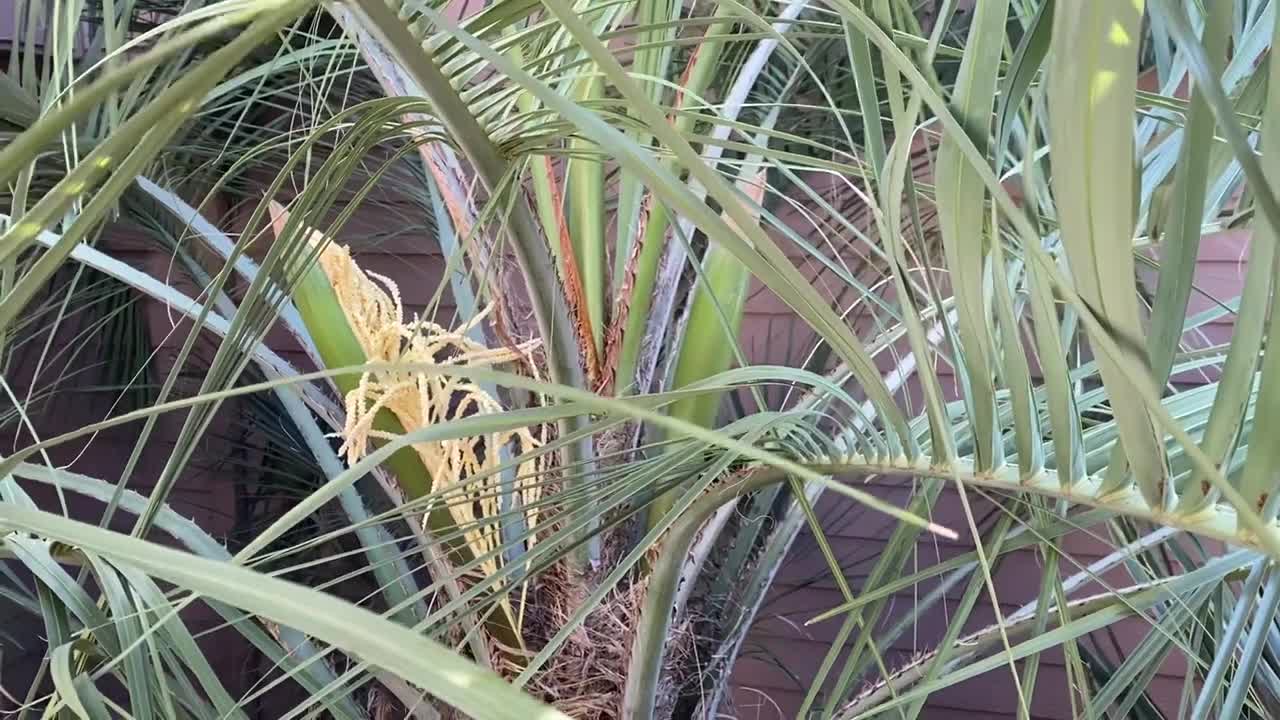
(804, 586)
(205, 492)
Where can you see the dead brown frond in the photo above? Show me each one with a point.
(586, 677)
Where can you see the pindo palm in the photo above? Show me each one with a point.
(464, 309)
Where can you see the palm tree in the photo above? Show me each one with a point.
(552, 509)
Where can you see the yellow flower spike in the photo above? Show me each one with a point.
(375, 312)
